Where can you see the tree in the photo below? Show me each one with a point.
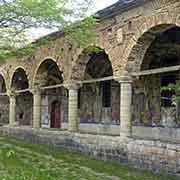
(18, 16)
(175, 89)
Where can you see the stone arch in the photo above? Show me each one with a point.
(3, 85)
(80, 64)
(19, 81)
(144, 36)
(98, 102)
(142, 53)
(20, 76)
(37, 72)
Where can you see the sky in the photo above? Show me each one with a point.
(99, 4)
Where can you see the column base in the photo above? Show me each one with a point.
(14, 124)
(73, 131)
(36, 127)
(126, 134)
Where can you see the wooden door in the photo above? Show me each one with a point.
(55, 115)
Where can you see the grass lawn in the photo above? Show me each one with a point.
(20, 160)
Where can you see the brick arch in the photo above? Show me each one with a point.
(34, 74)
(81, 60)
(144, 36)
(13, 72)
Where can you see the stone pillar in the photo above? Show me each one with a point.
(12, 109)
(73, 124)
(36, 109)
(125, 106)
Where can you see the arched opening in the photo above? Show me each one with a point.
(48, 74)
(24, 100)
(99, 99)
(2, 84)
(19, 80)
(4, 103)
(152, 106)
(54, 102)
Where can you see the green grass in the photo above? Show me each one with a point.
(20, 160)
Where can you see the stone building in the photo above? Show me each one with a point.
(114, 92)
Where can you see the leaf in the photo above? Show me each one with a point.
(10, 153)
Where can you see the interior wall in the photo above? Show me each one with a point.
(148, 109)
(147, 101)
(91, 108)
(24, 109)
(4, 109)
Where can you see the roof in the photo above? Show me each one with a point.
(120, 7)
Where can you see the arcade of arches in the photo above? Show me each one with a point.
(98, 98)
(59, 104)
(108, 91)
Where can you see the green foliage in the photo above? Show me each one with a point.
(18, 16)
(79, 31)
(173, 88)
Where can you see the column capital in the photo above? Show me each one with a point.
(124, 78)
(36, 91)
(72, 85)
(11, 93)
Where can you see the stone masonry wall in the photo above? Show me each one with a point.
(4, 110)
(146, 154)
(147, 101)
(24, 109)
(91, 109)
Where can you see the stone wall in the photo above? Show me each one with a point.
(24, 109)
(4, 109)
(147, 101)
(91, 108)
(146, 154)
(156, 133)
(148, 109)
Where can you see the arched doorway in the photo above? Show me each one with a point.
(55, 114)
(156, 49)
(54, 100)
(24, 100)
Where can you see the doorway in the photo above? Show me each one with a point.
(55, 115)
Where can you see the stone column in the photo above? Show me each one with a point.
(125, 106)
(12, 109)
(73, 124)
(36, 109)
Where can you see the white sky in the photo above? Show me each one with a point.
(99, 4)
